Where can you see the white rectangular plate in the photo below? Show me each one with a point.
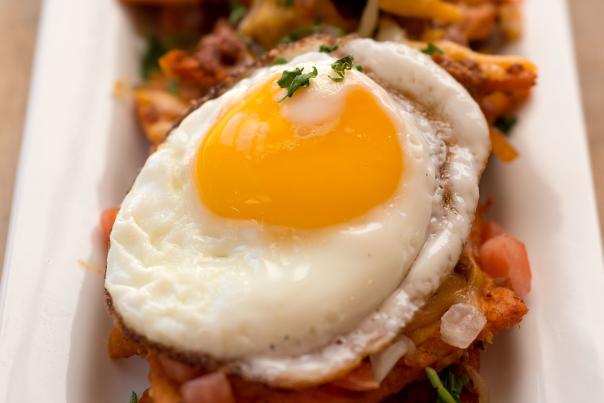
(82, 150)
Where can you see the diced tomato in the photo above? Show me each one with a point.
(120, 346)
(107, 219)
(505, 256)
(177, 371)
(211, 388)
(359, 380)
(491, 229)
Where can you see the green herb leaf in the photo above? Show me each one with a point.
(294, 80)
(454, 383)
(154, 51)
(443, 395)
(340, 66)
(291, 37)
(280, 60)
(359, 67)
(173, 86)
(431, 49)
(287, 77)
(133, 398)
(506, 123)
(327, 48)
(285, 3)
(337, 31)
(294, 35)
(185, 41)
(238, 11)
(448, 391)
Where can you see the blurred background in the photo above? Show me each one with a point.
(18, 29)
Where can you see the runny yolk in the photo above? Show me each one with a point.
(256, 164)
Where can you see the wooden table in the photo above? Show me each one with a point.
(18, 26)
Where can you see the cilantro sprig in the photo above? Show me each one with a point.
(327, 48)
(341, 65)
(449, 390)
(299, 33)
(133, 398)
(293, 80)
(149, 63)
(432, 49)
(316, 27)
(237, 11)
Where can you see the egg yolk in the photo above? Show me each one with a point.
(256, 164)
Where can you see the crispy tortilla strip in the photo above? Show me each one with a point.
(120, 346)
(163, 389)
(157, 112)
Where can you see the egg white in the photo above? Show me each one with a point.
(287, 306)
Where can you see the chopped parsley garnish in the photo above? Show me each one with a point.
(340, 66)
(337, 31)
(316, 27)
(454, 383)
(431, 49)
(154, 51)
(506, 123)
(280, 60)
(327, 48)
(293, 36)
(296, 34)
(173, 86)
(359, 67)
(133, 398)
(296, 79)
(238, 11)
(449, 390)
(285, 3)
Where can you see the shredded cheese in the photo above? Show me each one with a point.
(493, 66)
(429, 9)
(459, 52)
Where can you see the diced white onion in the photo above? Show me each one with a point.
(389, 30)
(369, 18)
(461, 324)
(385, 360)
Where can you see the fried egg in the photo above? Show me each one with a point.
(285, 239)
